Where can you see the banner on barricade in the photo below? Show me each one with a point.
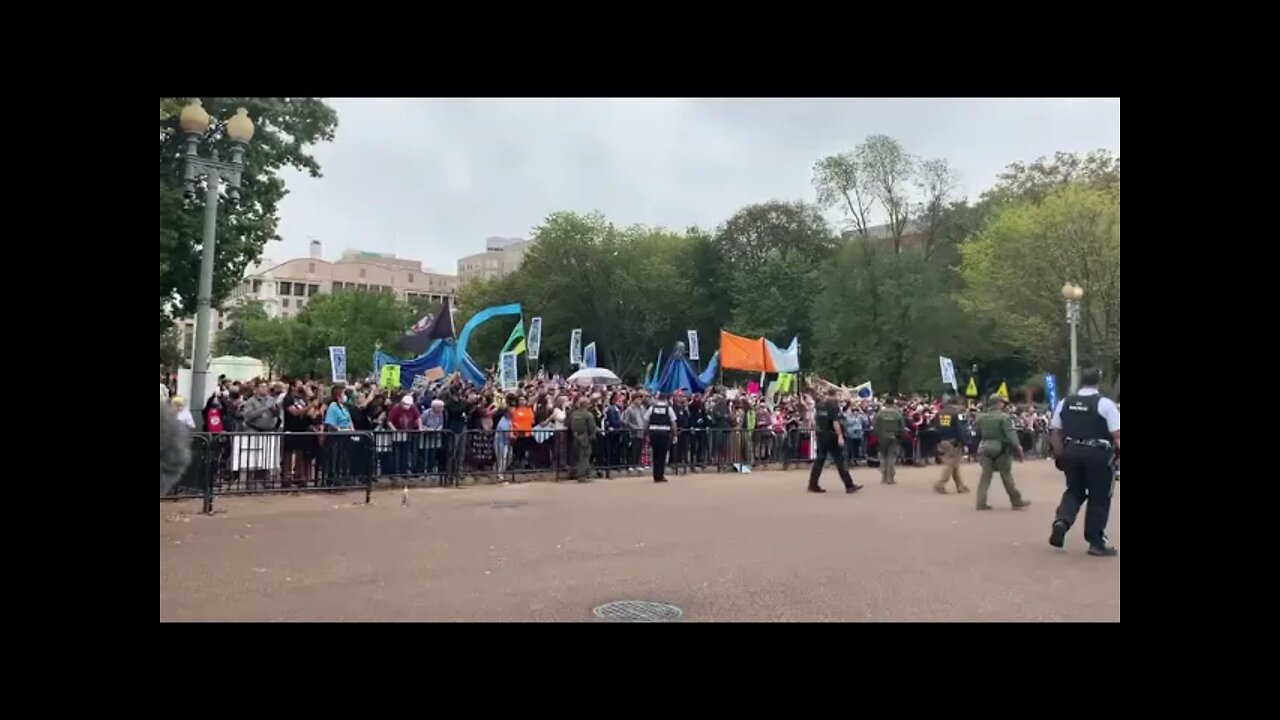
(338, 363)
(390, 377)
(575, 347)
(535, 337)
(693, 345)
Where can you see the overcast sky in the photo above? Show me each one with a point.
(431, 179)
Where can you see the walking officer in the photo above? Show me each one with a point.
(583, 426)
(948, 427)
(660, 421)
(827, 421)
(1085, 433)
(888, 426)
(999, 445)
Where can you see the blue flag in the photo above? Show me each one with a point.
(1051, 391)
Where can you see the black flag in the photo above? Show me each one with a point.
(431, 327)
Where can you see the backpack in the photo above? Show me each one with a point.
(214, 421)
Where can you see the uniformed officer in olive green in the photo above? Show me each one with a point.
(995, 453)
(583, 426)
(888, 426)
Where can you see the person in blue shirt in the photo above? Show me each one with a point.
(340, 450)
(854, 424)
(337, 417)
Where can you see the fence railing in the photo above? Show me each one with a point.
(247, 463)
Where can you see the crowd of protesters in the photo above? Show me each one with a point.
(299, 432)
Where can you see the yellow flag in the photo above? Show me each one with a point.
(784, 381)
(972, 390)
(1003, 392)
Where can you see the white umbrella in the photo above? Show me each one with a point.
(594, 376)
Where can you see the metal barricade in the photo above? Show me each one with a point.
(253, 462)
(511, 455)
(196, 479)
(410, 457)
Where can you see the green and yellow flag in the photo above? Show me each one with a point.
(515, 343)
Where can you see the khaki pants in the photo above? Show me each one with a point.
(950, 466)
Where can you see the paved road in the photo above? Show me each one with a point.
(720, 546)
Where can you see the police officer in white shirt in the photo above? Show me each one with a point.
(1085, 433)
(660, 421)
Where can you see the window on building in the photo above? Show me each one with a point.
(337, 286)
(362, 286)
(301, 303)
(299, 289)
(312, 290)
(284, 302)
(410, 277)
(257, 286)
(286, 288)
(219, 326)
(311, 268)
(361, 272)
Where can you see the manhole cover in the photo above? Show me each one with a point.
(638, 611)
(508, 504)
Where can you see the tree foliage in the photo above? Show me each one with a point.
(1099, 169)
(170, 347)
(285, 128)
(1014, 272)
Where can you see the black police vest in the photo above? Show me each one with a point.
(660, 417)
(1081, 420)
(826, 416)
(948, 425)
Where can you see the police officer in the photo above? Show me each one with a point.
(583, 426)
(999, 445)
(660, 421)
(827, 421)
(947, 424)
(888, 426)
(1085, 433)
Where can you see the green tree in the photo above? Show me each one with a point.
(841, 182)
(881, 317)
(285, 130)
(1099, 169)
(1015, 269)
(359, 321)
(250, 332)
(887, 168)
(772, 253)
(170, 347)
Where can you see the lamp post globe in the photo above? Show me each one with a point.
(194, 119)
(240, 126)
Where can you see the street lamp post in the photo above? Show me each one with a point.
(1072, 294)
(196, 125)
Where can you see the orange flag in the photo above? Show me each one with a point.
(739, 353)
